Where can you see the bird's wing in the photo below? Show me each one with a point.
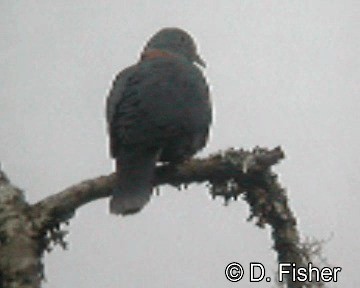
(114, 98)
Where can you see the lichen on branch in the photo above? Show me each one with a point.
(229, 174)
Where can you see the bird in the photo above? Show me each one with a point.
(158, 112)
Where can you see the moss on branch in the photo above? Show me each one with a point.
(229, 174)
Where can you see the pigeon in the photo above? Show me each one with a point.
(158, 112)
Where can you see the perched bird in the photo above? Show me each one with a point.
(158, 110)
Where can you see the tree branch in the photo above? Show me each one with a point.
(20, 252)
(218, 167)
(230, 174)
(61, 207)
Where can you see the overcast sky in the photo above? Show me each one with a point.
(281, 73)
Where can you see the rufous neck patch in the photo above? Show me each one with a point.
(155, 53)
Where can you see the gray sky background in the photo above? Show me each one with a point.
(281, 73)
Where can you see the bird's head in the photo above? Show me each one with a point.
(174, 41)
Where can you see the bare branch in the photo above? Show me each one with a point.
(61, 207)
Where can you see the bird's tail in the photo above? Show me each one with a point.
(135, 173)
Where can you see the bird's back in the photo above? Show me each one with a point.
(159, 101)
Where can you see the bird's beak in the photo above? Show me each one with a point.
(200, 61)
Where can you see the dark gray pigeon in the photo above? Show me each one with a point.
(158, 110)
